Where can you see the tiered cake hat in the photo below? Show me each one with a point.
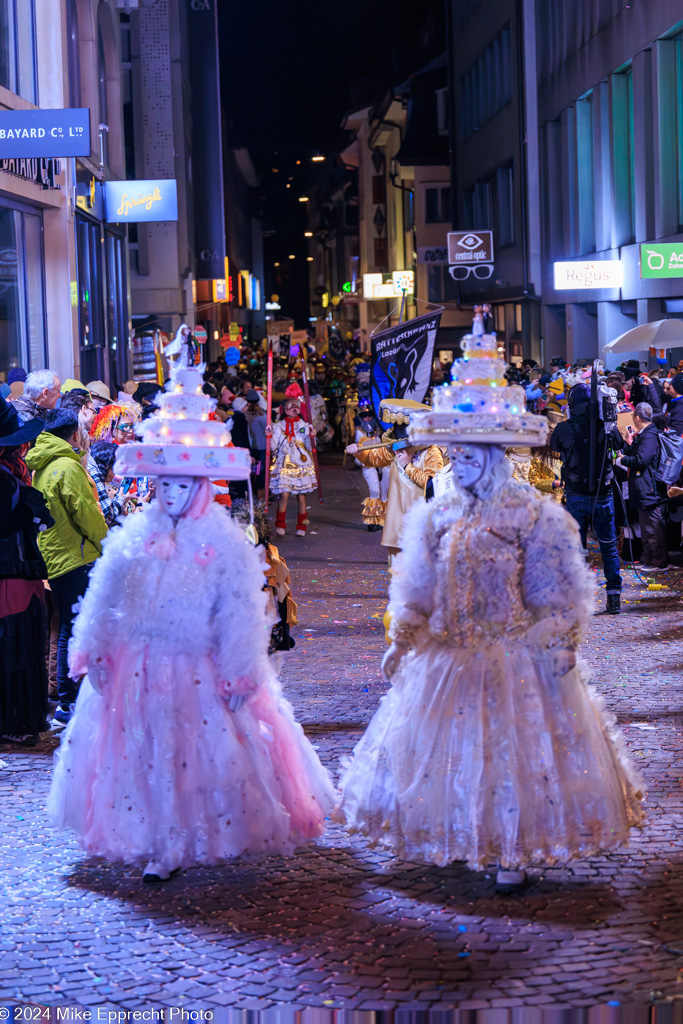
(180, 439)
(479, 407)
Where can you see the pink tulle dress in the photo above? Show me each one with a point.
(154, 765)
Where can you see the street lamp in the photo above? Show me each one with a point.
(318, 158)
(308, 234)
(303, 199)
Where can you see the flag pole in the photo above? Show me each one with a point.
(269, 418)
(314, 450)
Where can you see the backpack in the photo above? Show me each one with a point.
(576, 471)
(670, 459)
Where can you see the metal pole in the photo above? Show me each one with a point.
(269, 418)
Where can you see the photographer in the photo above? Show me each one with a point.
(673, 389)
(643, 490)
(586, 500)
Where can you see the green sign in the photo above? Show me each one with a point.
(661, 260)
(346, 287)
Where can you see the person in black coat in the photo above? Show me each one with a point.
(23, 513)
(673, 389)
(648, 389)
(643, 489)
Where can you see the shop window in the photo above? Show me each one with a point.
(117, 308)
(74, 56)
(440, 285)
(487, 86)
(22, 308)
(623, 158)
(505, 209)
(582, 171)
(18, 71)
(437, 204)
(90, 310)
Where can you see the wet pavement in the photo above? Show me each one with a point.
(339, 925)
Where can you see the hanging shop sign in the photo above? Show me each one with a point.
(43, 172)
(436, 255)
(45, 133)
(131, 202)
(200, 334)
(598, 274)
(665, 260)
(388, 286)
(470, 246)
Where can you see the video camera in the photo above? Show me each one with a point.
(607, 404)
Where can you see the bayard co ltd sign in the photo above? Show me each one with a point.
(42, 172)
(45, 133)
(131, 202)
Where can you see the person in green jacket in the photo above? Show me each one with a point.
(75, 541)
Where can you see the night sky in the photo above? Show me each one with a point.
(290, 72)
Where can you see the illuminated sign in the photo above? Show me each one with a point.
(470, 246)
(44, 133)
(273, 305)
(130, 202)
(576, 276)
(388, 286)
(346, 287)
(220, 290)
(664, 260)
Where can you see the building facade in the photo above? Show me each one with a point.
(610, 109)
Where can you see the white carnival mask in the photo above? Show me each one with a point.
(176, 493)
(471, 461)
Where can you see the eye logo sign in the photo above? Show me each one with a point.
(470, 247)
(471, 242)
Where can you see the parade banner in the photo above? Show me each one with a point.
(402, 360)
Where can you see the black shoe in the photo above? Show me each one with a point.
(374, 527)
(613, 604)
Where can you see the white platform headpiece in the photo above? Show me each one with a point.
(479, 407)
(180, 439)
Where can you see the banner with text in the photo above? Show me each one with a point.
(402, 360)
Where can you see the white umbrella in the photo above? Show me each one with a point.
(658, 334)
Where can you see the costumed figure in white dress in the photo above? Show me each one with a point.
(367, 431)
(293, 470)
(182, 749)
(411, 467)
(489, 746)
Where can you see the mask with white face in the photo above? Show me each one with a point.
(176, 493)
(470, 462)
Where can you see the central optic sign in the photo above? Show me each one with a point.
(45, 133)
(388, 286)
(129, 202)
(470, 247)
(598, 274)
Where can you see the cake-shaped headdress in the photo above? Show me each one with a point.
(479, 407)
(180, 439)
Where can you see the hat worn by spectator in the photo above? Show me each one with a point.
(16, 375)
(70, 384)
(252, 396)
(17, 389)
(98, 389)
(677, 383)
(12, 431)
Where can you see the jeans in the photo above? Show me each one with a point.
(653, 537)
(66, 590)
(584, 508)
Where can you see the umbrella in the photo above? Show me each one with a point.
(658, 334)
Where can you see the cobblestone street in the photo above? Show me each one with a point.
(340, 925)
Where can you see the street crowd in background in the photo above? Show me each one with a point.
(59, 496)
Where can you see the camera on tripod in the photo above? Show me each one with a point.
(607, 404)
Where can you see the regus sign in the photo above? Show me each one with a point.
(661, 260)
(130, 202)
(45, 133)
(598, 274)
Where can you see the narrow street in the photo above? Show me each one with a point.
(339, 925)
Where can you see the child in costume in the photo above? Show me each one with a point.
(293, 470)
(489, 746)
(182, 749)
(367, 431)
(411, 468)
